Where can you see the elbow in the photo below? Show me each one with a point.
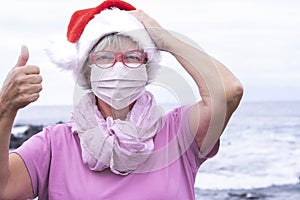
(234, 94)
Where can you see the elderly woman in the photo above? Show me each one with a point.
(117, 144)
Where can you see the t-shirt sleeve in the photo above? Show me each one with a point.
(186, 140)
(36, 154)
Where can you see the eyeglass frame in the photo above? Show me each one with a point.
(118, 55)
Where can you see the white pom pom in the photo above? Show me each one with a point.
(63, 54)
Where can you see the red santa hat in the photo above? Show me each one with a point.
(88, 26)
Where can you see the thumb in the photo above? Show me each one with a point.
(23, 57)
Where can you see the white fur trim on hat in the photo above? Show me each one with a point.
(72, 57)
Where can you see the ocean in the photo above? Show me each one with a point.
(259, 148)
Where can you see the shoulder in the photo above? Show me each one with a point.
(175, 124)
(58, 133)
(50, 135)
(178, 114)
(177, 119)
(58, 128)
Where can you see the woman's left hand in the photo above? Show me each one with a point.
(161, 37)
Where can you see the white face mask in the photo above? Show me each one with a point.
(119, 85)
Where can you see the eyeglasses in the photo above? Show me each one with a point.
(107, 59)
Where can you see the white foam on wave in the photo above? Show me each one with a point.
(254, 152)
(240, 181)
(18, 131)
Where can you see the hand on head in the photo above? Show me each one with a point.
(159, 35)
(22, 84)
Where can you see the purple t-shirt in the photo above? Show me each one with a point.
(53, 159)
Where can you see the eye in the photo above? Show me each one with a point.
(104, 57)
(133, 57)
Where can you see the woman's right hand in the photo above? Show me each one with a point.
(21, 86)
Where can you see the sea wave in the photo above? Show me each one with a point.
(257, 150)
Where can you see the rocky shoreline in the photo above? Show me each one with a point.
(26, 131)
(17, 139)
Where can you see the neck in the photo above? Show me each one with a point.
(107, 111)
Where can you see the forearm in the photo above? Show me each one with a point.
(21, 87)
(6, 123)
(200, 67)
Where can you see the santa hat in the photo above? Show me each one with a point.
(88, 26)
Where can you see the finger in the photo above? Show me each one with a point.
(140, 14)
(34, 79)
(23, 57)
(29, 90)
(34, 97)
(27, 99)
(136, 13)
(35, 88)
(145, 19)
(31, 69)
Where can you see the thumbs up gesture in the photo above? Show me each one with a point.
(22, 84)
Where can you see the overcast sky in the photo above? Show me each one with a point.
(258, 40)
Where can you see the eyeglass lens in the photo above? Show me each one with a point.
(107, 59)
